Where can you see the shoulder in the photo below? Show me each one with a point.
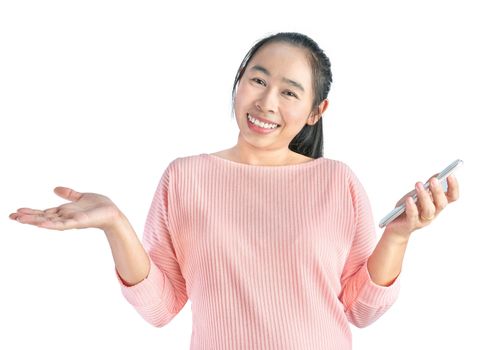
(186, 161)
(186, 165)
(342, 176)
(346, 169)
(338, 167)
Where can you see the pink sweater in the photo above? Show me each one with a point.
(271, 257)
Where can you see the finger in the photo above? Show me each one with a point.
(429, 182)
(403, 199)
(427, 209)
(67, 193)
(411, 211)
(435, 175)
(37, 211)
(453, 188)
(30, 219)
(438, 195)
(29, 211)
(59, 224)
(29, 216)
(13, 216)
(51, 210)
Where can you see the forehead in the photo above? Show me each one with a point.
(283, 60)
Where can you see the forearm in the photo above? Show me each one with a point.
(131, 260)
(385, 263)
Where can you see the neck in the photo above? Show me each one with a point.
(266, 157)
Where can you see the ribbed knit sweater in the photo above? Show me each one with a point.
(271, 257)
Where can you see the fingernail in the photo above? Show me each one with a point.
(420, 187)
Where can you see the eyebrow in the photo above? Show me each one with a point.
(289, 81)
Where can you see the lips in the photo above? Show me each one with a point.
(263, 119)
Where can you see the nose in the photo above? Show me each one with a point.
(267, 102)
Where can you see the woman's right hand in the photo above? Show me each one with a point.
(84, 210)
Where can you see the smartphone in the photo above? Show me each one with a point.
(392, 215)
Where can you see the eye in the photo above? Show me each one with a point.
(292, 94)
(256, 80)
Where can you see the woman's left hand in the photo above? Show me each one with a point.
(428, 206)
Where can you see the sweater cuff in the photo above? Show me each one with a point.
(374, 294)
(146, 292)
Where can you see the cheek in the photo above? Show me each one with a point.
(295, 116)
(241, 94)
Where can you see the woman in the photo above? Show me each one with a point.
(273, 243)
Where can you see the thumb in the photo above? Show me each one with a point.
(67, 193)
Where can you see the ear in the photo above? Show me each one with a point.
(314, 117)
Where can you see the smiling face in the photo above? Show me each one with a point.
(276, 87)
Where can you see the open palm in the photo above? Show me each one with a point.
(83, 211)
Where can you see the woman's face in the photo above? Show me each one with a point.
(276, 87)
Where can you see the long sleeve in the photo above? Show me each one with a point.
(364, 301)
(270, 257)
(162, 294)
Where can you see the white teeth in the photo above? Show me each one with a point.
(261, 124)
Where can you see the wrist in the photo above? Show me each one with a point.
(116, 224)
(395, 238)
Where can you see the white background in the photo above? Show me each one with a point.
(101, 95)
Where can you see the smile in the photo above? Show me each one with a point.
(262, 124)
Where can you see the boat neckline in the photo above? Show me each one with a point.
(244, 165)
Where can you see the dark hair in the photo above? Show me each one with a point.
(309, 141)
